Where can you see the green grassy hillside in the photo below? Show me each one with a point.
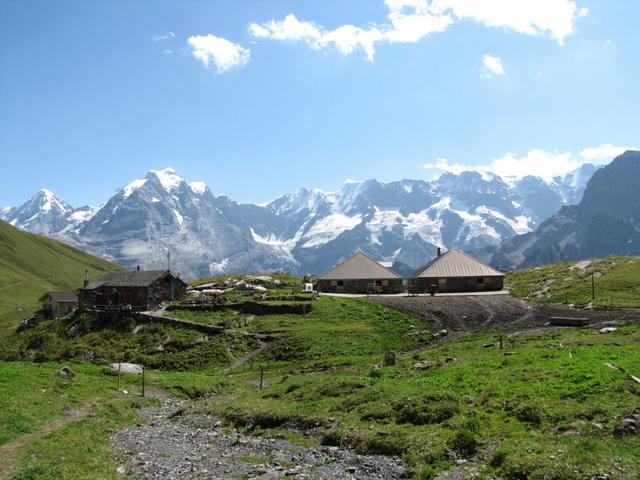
(31, 264)
(545, 406)
(616, 281)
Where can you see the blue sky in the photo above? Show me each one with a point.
(259, 98)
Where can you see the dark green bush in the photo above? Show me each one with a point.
(464, 443)
(530, 414)
(425, 411)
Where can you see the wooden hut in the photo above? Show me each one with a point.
(58, 304)
(360, 274)
(140, 290)
(456, 271)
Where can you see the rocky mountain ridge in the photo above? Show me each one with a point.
(401, 222)
(605, 222)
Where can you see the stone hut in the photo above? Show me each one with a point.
(360, 274)
(456, 271)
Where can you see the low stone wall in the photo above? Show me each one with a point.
(361, 287)
(253, 308)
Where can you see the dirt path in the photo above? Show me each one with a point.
(13, 286)
(177, 441)
(9, 452)
(245, 358)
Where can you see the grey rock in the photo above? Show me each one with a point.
(66, 372)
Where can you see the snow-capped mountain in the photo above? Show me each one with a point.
(308, 231)
(605, 222)
(43, 213)
(162, 213)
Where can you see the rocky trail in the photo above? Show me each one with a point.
(175, 441)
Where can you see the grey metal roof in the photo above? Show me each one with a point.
(359, 267)
(142, 278)
(60, 296)
(455, 263)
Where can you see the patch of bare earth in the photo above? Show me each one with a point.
(463, 314)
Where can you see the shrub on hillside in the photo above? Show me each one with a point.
(423, 411)
(287, 349)
(464, 443)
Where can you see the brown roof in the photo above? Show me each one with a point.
(455, 263)
(359, 267)
(142, 278)
(60, 296)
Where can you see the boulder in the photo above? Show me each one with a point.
(608, 329)
(131, 368)
(66, 372)
(425, 365)
(629, 425)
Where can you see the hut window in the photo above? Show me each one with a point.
(385, 283)
(480, 279)
(340, 283)
(334, 283)
(442, 282)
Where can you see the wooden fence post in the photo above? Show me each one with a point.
(143, 369)
(118, 375)
(261, 375)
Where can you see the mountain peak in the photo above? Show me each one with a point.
(168, 177)
(45, 200)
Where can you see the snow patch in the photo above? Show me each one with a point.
(84, 214)
(329, 228)
(169, 178)
(179, 217)
(519, 224)
(218, 267)
(198, 187)
(133, 186)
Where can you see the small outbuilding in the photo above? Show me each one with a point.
(140, 290)
(455, 271)
(58, 304)
(360, 274)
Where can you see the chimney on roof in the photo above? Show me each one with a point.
(439, 251)
(86, 277)
(138, 268)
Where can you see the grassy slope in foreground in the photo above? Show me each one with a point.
(547, 409)
(616, 279)
(32, 264)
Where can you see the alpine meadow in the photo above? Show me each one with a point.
(376, 239)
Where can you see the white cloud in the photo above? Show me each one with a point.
(493, 64)
(603, 153)
(456, 168)
(537, 162)
(531, 17)
(409, 21)
(163, 36)
(288, 29)
(219, 51)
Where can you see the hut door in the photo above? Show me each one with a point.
(340, 286)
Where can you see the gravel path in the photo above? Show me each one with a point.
(175, 442)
